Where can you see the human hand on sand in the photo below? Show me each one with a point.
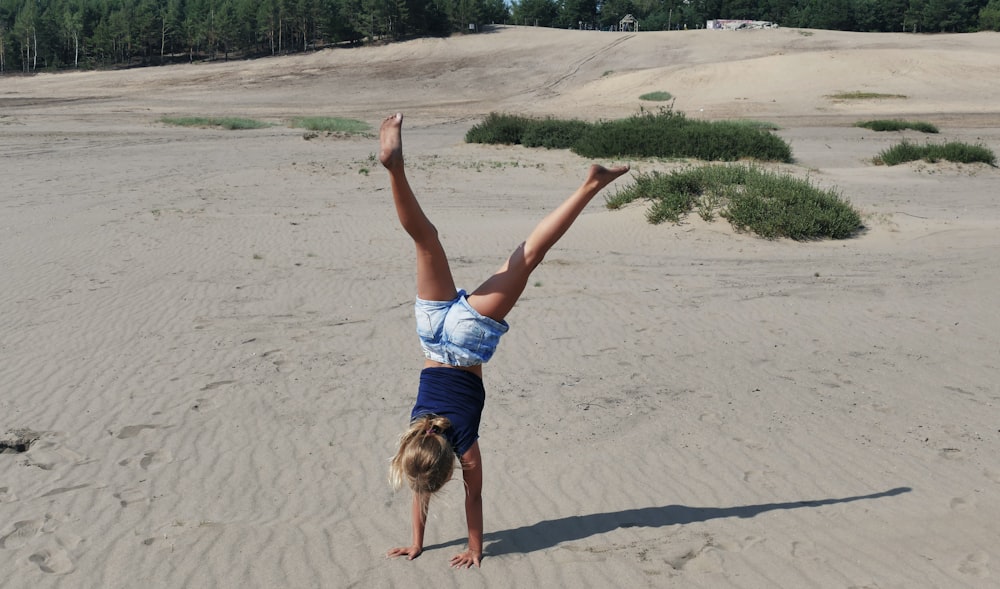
(410, 552)
(466, 559)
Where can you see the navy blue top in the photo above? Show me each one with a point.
(456, 394)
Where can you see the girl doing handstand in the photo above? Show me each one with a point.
(459, 332)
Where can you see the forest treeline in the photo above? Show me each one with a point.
(62, 34)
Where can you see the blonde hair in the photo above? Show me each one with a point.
(425, 458)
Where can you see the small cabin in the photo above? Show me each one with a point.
(628, 23)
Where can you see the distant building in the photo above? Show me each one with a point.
(736, 25)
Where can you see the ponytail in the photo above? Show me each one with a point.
(425, 458)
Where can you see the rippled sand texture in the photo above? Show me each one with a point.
(209, 336)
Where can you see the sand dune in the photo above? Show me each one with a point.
(210, 334)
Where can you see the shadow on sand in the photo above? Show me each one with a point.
(549, 533)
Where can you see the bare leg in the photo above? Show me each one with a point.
(496, 297)
(434, 280)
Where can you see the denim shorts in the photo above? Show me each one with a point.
(453, 333)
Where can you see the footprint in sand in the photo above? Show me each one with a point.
(202, 404)
(23, 532)
(704, 559)
(703, 556)
(52, 560)
(804, 549)
(131, 431)
(154, 459)
(951, 453)
(129, 496)
(7, 496)
(751, 443)
(149, 460)
(61, 490)
(278, 359)
(50, 454)
(975, 565)
(959, 503)
(708, 560)
(735, 545)
(216, 384)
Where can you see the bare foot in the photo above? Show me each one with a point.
(603, 176)
(390, 137)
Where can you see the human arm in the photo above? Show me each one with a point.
(472, 474)
(418, 513)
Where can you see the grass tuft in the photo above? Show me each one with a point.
(760, 125)
(858, 95)
(231, 123)
(751, 199)
(954, 151)
(656, 96)
(897, 125)
(331, 124)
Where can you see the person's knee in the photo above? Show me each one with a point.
(532, 256)
(422, 232)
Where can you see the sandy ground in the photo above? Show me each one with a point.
(211, 331)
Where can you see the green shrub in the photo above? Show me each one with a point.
(499, 128)
(330, 124)
(656, 96)
(953, 152)
(899, 154)
(231, 123)
(751, 199)
(643, 135)
(897, 125)
(553, 133)
(782, 206)
(923, 127)
(665, 134)
(669, 134)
